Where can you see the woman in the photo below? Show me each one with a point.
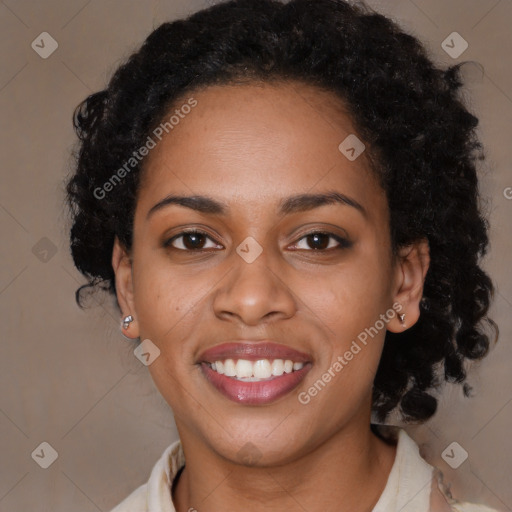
(283, 200)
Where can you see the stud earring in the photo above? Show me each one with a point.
(402, 318)
(126, 321)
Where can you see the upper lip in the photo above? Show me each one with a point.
(252, 351)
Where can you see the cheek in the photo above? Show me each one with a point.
(349, 302)
(349, 297)
(168, 306)
(167, 303)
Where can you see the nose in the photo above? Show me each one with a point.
(254, 293)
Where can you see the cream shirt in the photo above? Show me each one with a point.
(408, 488)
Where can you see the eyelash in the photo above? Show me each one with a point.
(343, 242)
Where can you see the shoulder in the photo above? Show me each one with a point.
(471, 507)
(155, 494)
(441, 499)
(135, 502)
(416, 486)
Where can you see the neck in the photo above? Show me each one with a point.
(346, 473)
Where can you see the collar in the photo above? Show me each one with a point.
(407, 488)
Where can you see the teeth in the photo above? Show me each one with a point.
(229, 368)
(252, 371)
(277, 367)
(243, 369)
(262, 369)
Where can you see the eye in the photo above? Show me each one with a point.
(192, 240)
(319, 241)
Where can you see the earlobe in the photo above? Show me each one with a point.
(412, 265)
(122, 265)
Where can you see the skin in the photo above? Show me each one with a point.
(250, 146)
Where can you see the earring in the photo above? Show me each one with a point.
(126, 321)
(402, 318)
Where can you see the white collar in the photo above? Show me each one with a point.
(407, 488)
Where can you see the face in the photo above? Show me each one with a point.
(264, 273)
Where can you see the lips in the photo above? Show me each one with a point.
(253, 391)
(253, 352)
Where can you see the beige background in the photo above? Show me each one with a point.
(67, 377)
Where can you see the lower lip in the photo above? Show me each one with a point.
(255, 393)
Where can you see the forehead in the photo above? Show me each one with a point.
(256, 143)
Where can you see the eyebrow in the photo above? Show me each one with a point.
(292, 204)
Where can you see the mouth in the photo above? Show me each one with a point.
(254, 373)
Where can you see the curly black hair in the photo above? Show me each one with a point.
(420, 138)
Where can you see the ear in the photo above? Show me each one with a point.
(410, 270)
(122, 265)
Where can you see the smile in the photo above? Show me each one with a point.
(254, 373)
(250, 371)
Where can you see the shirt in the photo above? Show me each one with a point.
(408, 487)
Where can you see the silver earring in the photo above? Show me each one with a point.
(126, 321)
(402, 318)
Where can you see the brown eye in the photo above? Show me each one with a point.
(190, 241)
(321, 241)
